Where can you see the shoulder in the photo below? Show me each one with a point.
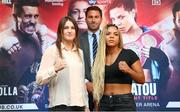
(83, 34)
(131, 56)
(80, 51)
(145, 28)
(51, 48)
(129, 52)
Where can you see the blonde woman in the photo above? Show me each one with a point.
(62, 68)
(113, 71)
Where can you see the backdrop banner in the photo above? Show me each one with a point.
(20, 53)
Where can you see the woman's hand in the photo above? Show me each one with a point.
(135, 71)
(59, 64)
(89, 86)
(124, 67)
(86, 109)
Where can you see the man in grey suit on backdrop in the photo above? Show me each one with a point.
(89, 42)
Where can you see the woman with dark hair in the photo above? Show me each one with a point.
(113, 71)
(77, 9)
(62, 68)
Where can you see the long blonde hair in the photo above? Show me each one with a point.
(98, 69)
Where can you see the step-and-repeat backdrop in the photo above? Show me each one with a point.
(157, 44)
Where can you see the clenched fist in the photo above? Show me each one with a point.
(59, 64)
(123, 67)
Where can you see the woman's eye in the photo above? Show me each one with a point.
(116, 34)
(108, 33)
(66, 27)
(75, 11)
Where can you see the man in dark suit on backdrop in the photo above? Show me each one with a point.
(89, 42)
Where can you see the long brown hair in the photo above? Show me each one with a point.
(60, 34)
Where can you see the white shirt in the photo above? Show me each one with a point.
(90, 39)
(67, 86)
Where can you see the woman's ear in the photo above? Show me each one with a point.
(133, 13)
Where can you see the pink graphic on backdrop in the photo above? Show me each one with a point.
(149, 39)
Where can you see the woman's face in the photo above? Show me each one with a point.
(78, 13)
(122, 18)
(112, 37)
(69, 31)
(177, 20)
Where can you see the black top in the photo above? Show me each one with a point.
(112, 72)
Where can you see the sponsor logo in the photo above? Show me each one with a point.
(56, 2)
(6, 2)
(156, 2)
(92, 2)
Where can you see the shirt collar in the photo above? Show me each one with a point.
(65, 48)
(97, 33)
